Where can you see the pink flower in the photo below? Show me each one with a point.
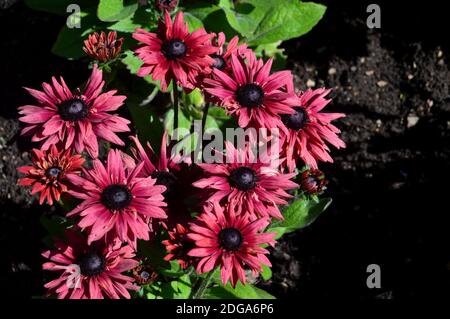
(174, 53)
(116, 202)
(249, 92)
(308, 130)
(76, 120)
(48, 174)
(89, 272)
(231, 242)
(247, 184)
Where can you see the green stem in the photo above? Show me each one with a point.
(175, 107)
(205, 116)
(198, 294)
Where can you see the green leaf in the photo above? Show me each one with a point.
(175, 270)
(69, 42)
(194, 23)
(115, 10)
(56, 6)
(182, 287)
(241, 291)
(266, 274)
(211, 15)
(300, 214)
(148, 126)
(132, 62)
(272, 50)
(141, 19)
(286, 20)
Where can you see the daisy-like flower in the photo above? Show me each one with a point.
(174, 53)
(175, 172)
(249, 92)
(308, 130)
(116, 201)
(48, 174)
(89, 272)
(102, 47)
(178, 245)
(222, 57)
(76, 119)
(249, 185)
(231, 242)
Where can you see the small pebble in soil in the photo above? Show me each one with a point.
(382, 83)
(412, 120)
(310, 83)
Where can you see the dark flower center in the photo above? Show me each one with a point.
(297, 120)
(250, 95)
(230, 239)
(116, 196)
(311, 182)
(53, 172)
(73, 110)
(174, 49)
(91, 264)
(167, 179)
(144, 275)
(219, 62)
(243, 178)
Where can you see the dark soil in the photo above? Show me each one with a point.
(389, 185)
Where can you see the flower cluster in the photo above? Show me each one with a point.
(209, 215)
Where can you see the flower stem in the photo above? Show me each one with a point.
(205, 116)
(198, 294)
(175, 107)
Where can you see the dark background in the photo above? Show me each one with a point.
(390, 185)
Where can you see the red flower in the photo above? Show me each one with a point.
(116, 201)
(75, 119)
(313, 182)
(178, 246)
(308, 130)
(231, 242)
(174, 53)
(168, 5)
(249, 92)
(246, 183)
(222, 58)
(101, 47)
(144, 274)
(48, 173)
(175, 172)
(89, 272)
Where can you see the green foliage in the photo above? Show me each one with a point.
(263, 25)
(115, 10)
(241, 291)
(299, 214)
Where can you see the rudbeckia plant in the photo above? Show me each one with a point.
(157, 199)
